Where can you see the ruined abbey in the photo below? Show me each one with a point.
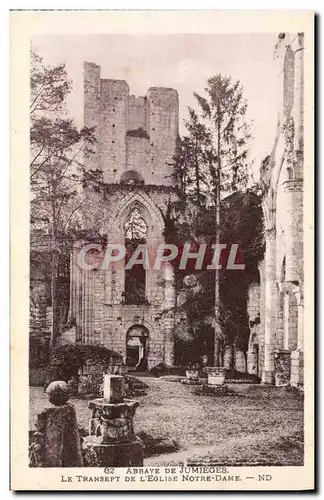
(132, 311)
(126, 310)
(276, 298)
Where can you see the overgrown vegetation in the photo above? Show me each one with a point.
(57, 173)
(218, 204)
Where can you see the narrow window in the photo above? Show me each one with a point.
(135, 278)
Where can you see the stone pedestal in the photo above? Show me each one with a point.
(128, 454)
(297, 368)
(112, 441)
(112, 422)
(282, 367)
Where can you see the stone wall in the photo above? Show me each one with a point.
(253, 311)
(282, 279)
(133, 133)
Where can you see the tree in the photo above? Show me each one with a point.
(213, 162)
(57, 175)
(223, 112)
(224, 109)
(191, 166)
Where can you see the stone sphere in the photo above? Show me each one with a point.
(58, 392)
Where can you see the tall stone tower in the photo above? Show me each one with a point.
(130, 311)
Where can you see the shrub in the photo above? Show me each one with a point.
(161, 369)
(66, 360)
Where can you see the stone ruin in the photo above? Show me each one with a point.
(111, 442)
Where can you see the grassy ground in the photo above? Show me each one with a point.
(253, 426)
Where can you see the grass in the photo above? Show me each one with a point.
(254, 426)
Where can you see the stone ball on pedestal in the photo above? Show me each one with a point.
(58, 392)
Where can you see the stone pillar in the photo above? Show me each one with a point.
(56, 442)
(253, 361)
(293, 190)
(297, 368)
(77, 290)
(228, 357)
(270, 306)
(112, 440)
(240, 361)
(282, 367)
(169, 304)
(286, 321)
(297, 356)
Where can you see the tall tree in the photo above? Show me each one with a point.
(191, 163)
(56, 167)
(213, 160)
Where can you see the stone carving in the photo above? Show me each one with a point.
(288, 129)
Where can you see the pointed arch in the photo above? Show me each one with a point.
(145, 206)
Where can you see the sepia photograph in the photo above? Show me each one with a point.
(166, 257)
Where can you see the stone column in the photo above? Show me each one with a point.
(297, 356)
(298, 109)
(240, 361)
(228, 357)
(112, 440)
(270, 306)
(293, 190)
(294, 270)
(252, 362)
(169, 304)
(56, 442)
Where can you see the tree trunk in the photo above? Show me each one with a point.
(217, 241)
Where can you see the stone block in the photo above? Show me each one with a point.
(59, 442)
(113, 389)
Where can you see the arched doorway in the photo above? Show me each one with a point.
(137, 347)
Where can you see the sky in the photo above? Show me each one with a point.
(183, 62)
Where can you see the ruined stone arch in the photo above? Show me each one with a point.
(144, 323)
(145, 205)
(137, 337)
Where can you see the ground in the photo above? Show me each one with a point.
(255, 425)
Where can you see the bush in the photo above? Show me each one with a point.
(66, 360)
